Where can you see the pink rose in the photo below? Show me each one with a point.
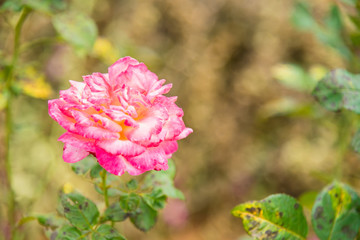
(121, 117)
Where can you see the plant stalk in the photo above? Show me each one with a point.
(104, 187)
(9, 78)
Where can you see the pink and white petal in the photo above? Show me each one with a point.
(169, 104)
(140, 78)
(96, 133)
(147, 127)
(169, 147)
(149, 159)
(156, 85)
(73, 154)
(115, 164)
(97, 82)
(184, 133)
(111, 163)
(75, 93)
(121, 147)
(173, 127)
(107, 123)
(82, 118)
(118, 68)
(98, 99)
(79, 86)
(163, 90)
(120, 116)
(78, 141)
(151, 123)
(55, 113)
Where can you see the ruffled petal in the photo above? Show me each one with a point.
(115, 164)
(78, 141)
(184, 133)
(96, 133)
(150, 124)
(107, 123)
(163, 90)
(73, 154)
(169, 147)
(121, 147)
(55, 113)
(118, 68)
(140, 78)
(149, 159)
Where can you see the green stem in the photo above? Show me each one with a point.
(9, 78)
(104, 187)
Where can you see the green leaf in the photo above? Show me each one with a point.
(330, 35)
(83, 166)
(294, 76)
(302, 17)
(339, 89)
(278, 216)
(307, 199)
(115, 213)
(77, 29)
(46, 6)
(336, 213)
(12, 5)
(50, 221)
(333, 20)
(129, 203)
(66, 233)
(145, 216)
(106, 232)
(80, 211)
(172, 169)
(95, 171)
(164, 181)
(156, 199)
(132, 184)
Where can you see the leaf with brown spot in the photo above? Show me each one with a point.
(336, 215)
(80, 211)
(106, 232)
(339, 89)
(278, 216)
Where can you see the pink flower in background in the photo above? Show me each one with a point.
(121, 117)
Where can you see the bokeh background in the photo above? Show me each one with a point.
(253, 136)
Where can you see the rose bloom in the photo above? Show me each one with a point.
(121, 117)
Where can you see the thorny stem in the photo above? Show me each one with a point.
(9, 78)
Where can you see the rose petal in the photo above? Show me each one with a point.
(56, 114)
(121, 147)
(118, 68)
(107, 123)
(78, 141)
(115, 164)
(73, 154)
(149, 159)
(96, 133)
(184, 133)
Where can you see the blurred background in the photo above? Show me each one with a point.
(255, 133)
